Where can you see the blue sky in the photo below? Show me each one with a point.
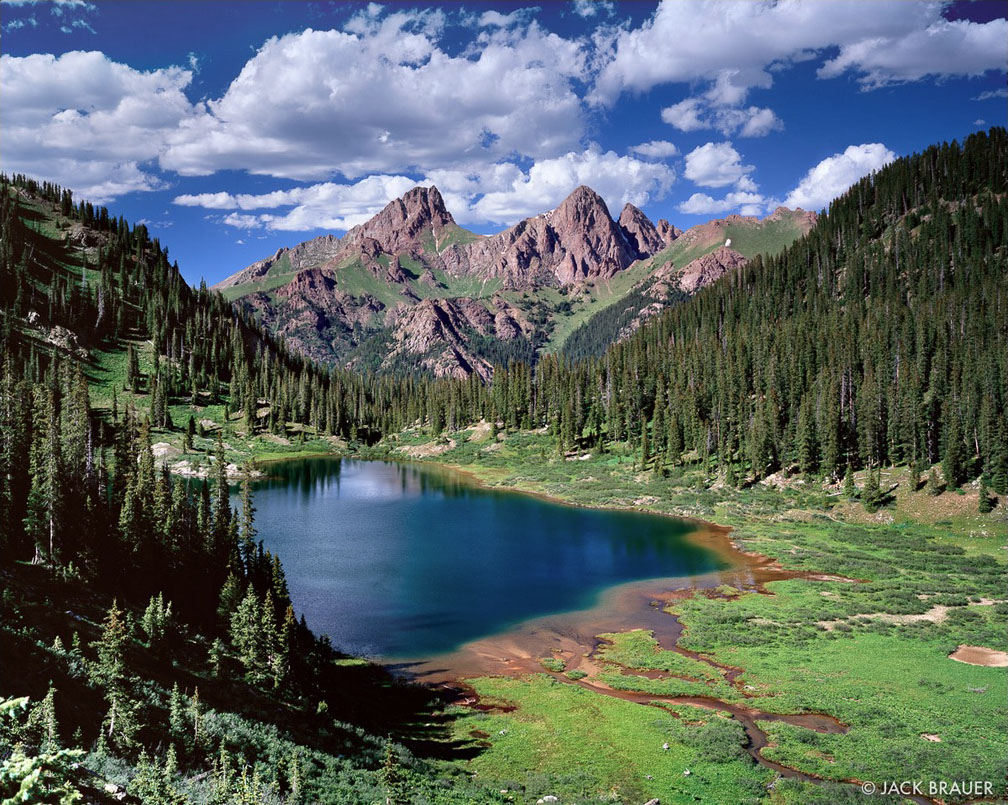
(233, 128)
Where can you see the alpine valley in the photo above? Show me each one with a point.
(585, 501)
(833, 389)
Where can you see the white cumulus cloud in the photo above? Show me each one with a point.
(703, 204)
(687, 115)
(696, 114)
(87, 122)
(328, 205)
(718, 165)
(943, 48)
(589, 8)
(384, 97)
(502, 194)
(618, 179)
(831, 177)
(656, 149)
(737, 46)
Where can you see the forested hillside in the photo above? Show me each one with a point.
(148, 638)
(881, 337)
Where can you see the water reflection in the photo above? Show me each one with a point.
(397, 560)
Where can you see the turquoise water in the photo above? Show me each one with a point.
(400, 561)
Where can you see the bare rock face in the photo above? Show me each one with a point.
(667, 232)
(416, 252)
(309, 284)
(311, 312)
(577, 241)
(252, 272)
(594, 244)
(640, 232)
(709, 268)
(312, 252)
(669, 285)
(803, 218)
(403, 223)
(305, 255)
(433, 334)
(400, 227)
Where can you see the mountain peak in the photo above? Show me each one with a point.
(583, 199)
(427, 201)
(667, 231)
(400, 225)
(640, 232)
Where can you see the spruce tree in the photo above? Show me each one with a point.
(985, 502)
(850, 489)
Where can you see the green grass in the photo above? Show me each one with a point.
(766, 237)
(567, 309)
(638, 650)
(569, 742)
(271, 283)
(890, 682)
(454, 235)
(594, 298)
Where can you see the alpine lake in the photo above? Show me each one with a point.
(403, 563)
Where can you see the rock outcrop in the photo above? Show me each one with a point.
(640, 232)
(410, 288)
(666, 231)
(403, 224)
(707, 269)
(577, 241)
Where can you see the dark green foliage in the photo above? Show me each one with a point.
(986, 501)
(850, 489)
(595, 336)
(871, 495)
(878, 338)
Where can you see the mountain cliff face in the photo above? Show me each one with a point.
(411, 289)
(404, 223)
(576, 242)
(639, 230)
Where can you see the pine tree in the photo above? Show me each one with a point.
(41, 729)
(109, 669)
(247, 634)
(248, 532)
(872, 493)
(391, 776)
(850, 489)
(953, 458)
(985, 502)
(644, 447)
(177, 713)
(230, 597)
(156, 619)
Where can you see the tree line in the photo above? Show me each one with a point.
(879, 337)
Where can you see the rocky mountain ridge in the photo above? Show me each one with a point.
(411, 289)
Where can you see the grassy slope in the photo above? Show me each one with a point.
(769, 237)
(892, 683)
